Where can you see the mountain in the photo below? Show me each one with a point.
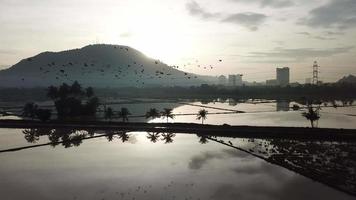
(348, 79)
(99, 65)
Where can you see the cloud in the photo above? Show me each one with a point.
(195, 9)
(269, 3)
(339, 14)
(197, 162)
(126, 34)
(309, 35)
(248, 20)
(299, 54)
(8, 51)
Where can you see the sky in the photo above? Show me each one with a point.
(251, 37)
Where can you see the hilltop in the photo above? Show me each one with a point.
(100, 65)
(348, 79)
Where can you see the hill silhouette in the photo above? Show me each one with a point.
(99, 65)
(348, 79)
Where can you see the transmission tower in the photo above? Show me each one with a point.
(315, 73)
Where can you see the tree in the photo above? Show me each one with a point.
(109, 113)
(168, 137)
(52, 92)
(76, 89)
(202, 139)
(124, 113)
(29, 110)
(43, 114)
(167, 113)
(152, 113)
(153, 137)
(124, 137)
(312, 115)
(72, 101)
(202, 114)
(89, 92)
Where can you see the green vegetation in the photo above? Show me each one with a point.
(167, 113)
(73, 102)
(32, 111)
(312, 115)
(124, 113)
(202, 115)
(153, 113)
(109, 114)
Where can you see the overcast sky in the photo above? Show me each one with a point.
(252, 37)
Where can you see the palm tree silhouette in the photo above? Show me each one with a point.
(202, 115)
(203, 139)
(124, 113)
(153, 137)
(312, 115)
(109, 113)
(31, 135)
(29, 110)
(152, 113)
(167, 113)
(168, 137)
(124, 137)
(110, 135)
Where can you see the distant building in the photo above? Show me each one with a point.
(283, 76)
(235, 80)
(272, 82)
(222, 80)
(308, 81)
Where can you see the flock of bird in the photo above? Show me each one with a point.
(134, 71)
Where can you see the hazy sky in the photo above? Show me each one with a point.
(252, 37)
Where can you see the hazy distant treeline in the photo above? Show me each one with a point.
(325, 91)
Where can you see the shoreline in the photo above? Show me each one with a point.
(201, 129)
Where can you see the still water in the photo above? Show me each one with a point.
(140, 165)
(274, 113)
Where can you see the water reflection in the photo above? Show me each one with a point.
(283, 105)
(329, 162)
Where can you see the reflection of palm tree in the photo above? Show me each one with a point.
(152, 113)
(153, 137)
(203, 139)
(110, 135)
(168, 137)
(167, 113)
(202, 115)
(312, 115)
(31, 135)
(124, 137)
(124, 113)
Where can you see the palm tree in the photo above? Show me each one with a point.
(167, 113)
(203, 139)
(202, 115)
(168, 137)
(312, 115)
(152, 113)
(29, 110)
(31, 135)
(124, 137)
(109, 113)
(153, 137)
(124, 113)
